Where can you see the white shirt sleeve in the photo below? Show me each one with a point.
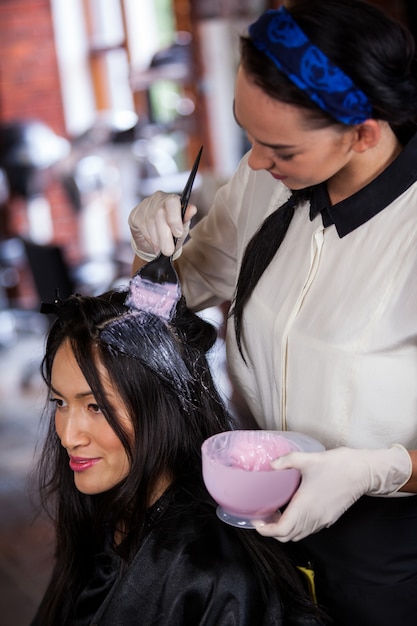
(210, 262)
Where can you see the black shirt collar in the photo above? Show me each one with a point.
(369, 201)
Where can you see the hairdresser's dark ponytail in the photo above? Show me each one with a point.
(259, 253)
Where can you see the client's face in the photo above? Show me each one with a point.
(96, 455)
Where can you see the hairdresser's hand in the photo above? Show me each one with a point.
(155, 221)
(331, 482)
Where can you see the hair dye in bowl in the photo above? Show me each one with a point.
(238, 475)
(254, 455)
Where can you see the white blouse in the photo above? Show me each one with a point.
(330, 331)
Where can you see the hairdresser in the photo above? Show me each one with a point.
(314, 239)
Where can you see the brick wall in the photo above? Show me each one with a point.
(30, 89)
(29, 79)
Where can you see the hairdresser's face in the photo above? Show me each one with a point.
(282, 141)
(96, 455)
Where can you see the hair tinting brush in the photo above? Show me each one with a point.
(155, 286)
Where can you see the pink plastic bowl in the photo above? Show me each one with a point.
(238, 475)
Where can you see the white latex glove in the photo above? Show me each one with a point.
(331, 481)
(155, 221)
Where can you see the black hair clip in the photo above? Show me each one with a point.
(52, 307)
(60, 308)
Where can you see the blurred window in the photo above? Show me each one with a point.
(98, 42)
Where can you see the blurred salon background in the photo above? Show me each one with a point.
(102, 102)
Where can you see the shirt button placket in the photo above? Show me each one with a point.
(316, 249)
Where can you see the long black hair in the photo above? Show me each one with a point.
(163, 378)
(378, 54)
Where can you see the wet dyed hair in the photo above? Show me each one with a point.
(377, 53)
(161, 372)
(164, 382)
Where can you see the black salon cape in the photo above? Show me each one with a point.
(191, 569)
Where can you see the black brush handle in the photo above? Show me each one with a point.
(161, 269)
(185, 196)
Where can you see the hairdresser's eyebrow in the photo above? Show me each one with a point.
(273, 146)
(82, 394)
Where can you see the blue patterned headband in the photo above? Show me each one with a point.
(277, 35)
